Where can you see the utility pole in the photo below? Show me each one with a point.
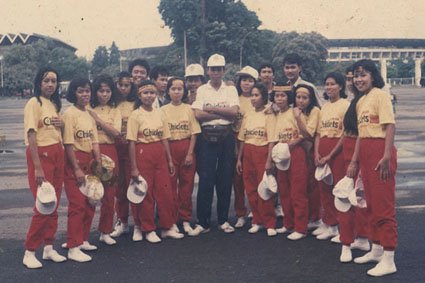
(203, 43)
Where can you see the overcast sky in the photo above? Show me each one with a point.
(86, 24)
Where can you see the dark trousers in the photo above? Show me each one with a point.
(216, 167)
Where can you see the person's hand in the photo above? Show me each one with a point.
(188, 161)
(239, 167)
(269, 168)
(317, 158)
(297, 112)
(384, 168)
(57, 122)
(39, 176)
(352, 170)
(324, 160)
(134, 173)
(79, 175)
(171, 168)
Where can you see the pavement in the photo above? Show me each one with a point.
(215, 256)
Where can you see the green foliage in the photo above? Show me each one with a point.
(100, 60)
(402, 68)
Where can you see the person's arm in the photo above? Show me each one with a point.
(302, 127)
(239, 162)
(269, 163)
(168, 155)
(79, 174)
(353, 167)
(96, 155)
(317, 157)
(228, 113)
(294, 142)
(108, 128)
(133, 164)
(384, 164)
(203, 116)
(335, 151)
(188, 161)
(32, 143)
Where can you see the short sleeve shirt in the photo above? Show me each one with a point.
(245, 106)
(286, 127)
(181, 121)
(147, 126)
(111, 116)
(311, 121)
(257, 128)
(331, 122)
(125, 108)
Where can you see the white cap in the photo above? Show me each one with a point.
(344, 187)
(136, 192)
(267, 187)
(194, 70)
(248, 71)
(342, 204)
(108, 166)
(93, 189)
(216, 60)
(46, 199)
(281, 156)
(324, 173)
(357, 197)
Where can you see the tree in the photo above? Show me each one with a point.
(114, 54)
(100, 60)
(68, 64)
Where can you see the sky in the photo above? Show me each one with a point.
(87, 24)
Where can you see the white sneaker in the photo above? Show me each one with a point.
(107, 239)
(314, 224)
(279, 211)
(332, 231)
(30, 261)
(198, 230)
(271, 232)
(336, 239)
(375, 255)
(171, 233)
(226, 228)
(250, 215)
(346, 255)
(361, 244)
(187, 228)
(320, 230)
(282, 230)
(137, 234)
(294, 236)
(77, 255)
(86, 246)
(119, 229)
(254, 228)
(153, 238)
(385, 266)
(50, 254)
(175, 228)
(240, 223)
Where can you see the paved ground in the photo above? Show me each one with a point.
(215, 257)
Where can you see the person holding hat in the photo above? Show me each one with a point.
(45, 162)
(103, 109)
(150, 157)
(328, 148)
(256, 137)
(247, 78)
(291, 179)
(81, 147)
(194, 76)
(216, 106)
(377, 159)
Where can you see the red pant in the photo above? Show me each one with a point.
(380, 195)
(80, 212)
(352, 223)
(293, 191)
(152, 165)
(239, 194)
(313, 191)
(107, 208)
(253, 164)
(43, 227)
(183, 180)
(336, 164)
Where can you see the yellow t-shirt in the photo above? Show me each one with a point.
(331, 123)
(245, 106)
(125, 108)
(147, 126)
(257, 128)
(181, 121)
(374, 110)
(37, 117)
(286, 127)
(311, 121)
(111, 116)
(79, 129)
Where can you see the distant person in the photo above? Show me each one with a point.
(195, 77)
(349, 83)
(45, 161)
(159, 75)
(139, 70)
(266, 76)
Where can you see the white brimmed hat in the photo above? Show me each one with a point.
(267, 187)
(46, 199)
(107, 169)
(92, 189)
(136, 192)
(248, 71)
(194, 70)
(357, 197)
(343, 188)
(281, 156)
(216, 60)
(324, 173)
(342, 204)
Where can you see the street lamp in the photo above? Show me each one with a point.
(1, 72)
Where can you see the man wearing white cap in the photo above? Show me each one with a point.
(216, 106)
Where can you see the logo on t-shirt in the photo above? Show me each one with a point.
(255, 133)
(288, 134)
(81, 134)
(151, 132)
(182, 126)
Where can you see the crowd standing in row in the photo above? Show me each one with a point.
(270, 141)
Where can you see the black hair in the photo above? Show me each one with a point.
(313, 101)
(202, 78)
(350, 117)
(238, 84)
(370, 66)
(55, 98)
(131, 97)
(138, 102)
(71, 95)
(340, 80)
(139, 62)
(289, 93)
(292, 58)
(97, 83)
(158, 70)
(265, 65)
(170, 83)
(263, 90)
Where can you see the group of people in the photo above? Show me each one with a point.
(163, 130)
